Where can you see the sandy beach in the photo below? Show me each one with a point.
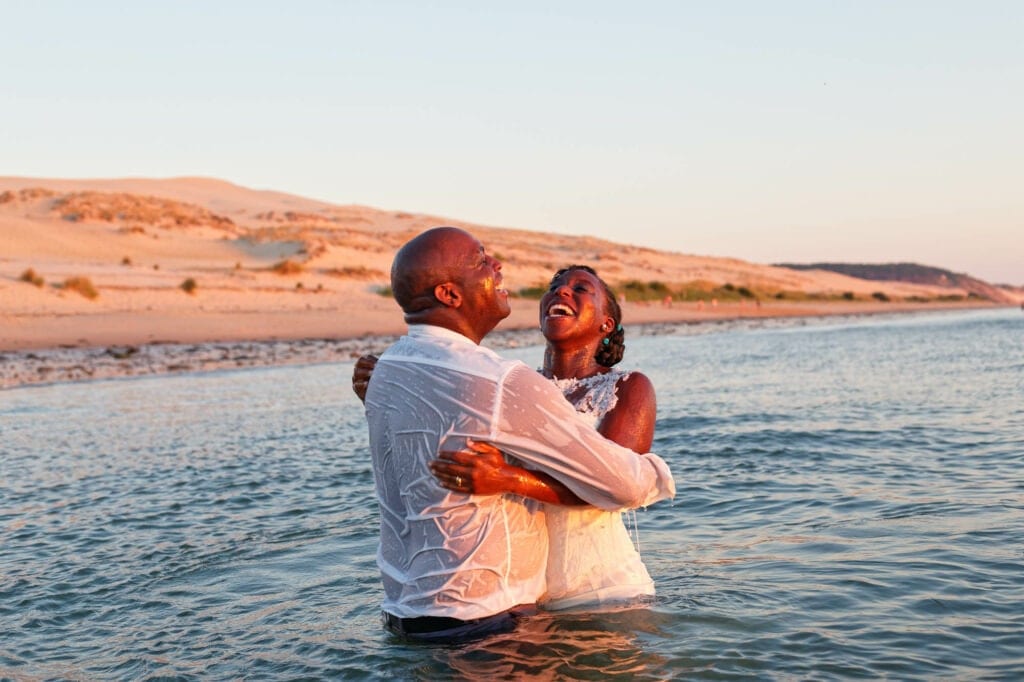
(121, 346)
(105, 278)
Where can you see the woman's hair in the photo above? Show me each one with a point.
(612, 347)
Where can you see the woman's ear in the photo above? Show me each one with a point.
(448, 294)
(608, 325)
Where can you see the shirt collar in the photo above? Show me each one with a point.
(425, 331)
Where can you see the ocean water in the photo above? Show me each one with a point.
(850, 505)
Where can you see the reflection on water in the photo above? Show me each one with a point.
(850, 505)
(601, 646)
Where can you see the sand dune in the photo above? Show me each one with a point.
(139, 240)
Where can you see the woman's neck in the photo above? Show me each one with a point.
(576, 363)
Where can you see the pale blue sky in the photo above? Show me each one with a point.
(768, 131)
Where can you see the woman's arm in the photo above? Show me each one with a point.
(631, 422)
(481, 469)
(361, 374)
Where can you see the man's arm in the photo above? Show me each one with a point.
(574, 463)
(482, 470)
(540, 428)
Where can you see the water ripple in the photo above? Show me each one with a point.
(850, 505)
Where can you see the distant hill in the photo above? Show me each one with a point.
(914, 273)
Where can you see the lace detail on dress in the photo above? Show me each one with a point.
(593, 396)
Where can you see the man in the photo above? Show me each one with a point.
(456, 566)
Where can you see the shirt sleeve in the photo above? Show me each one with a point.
(538, 426)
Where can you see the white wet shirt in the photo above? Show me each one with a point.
(448, 554)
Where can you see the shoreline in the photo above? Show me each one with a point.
(122, 355)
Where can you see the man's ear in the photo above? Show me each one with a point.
(448, 294)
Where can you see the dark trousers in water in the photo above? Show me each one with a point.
(442, 630)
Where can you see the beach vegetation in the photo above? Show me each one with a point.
(189, 286)
(531, 293)
(385, 291)
(880, 296)
(695, 290)
(636, 290)
(126, 261)
(82, 286)
(287, 267)
(803, 296)
(355, 272)
(849, 296)
(113, 206)
(32, 277)
(27, 194)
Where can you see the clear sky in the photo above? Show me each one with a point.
(865, 130)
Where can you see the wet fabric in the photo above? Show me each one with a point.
(447, 554)
(592, 560)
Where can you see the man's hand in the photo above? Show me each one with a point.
(361, 375)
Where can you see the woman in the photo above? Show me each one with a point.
(591, 557)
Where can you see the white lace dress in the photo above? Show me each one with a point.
(592, 560)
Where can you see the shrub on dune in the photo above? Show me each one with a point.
(31, 277)
(81, 285)
(287, 267)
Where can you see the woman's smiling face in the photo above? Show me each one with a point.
(574, 307)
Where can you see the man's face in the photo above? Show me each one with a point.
(482, 286)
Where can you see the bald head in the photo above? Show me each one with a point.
(445, 278)
(428, 259)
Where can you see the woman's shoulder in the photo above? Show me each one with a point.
(634, 386)
(633, 378)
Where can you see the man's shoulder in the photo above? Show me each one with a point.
(443, 352)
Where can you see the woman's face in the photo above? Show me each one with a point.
(575, 308)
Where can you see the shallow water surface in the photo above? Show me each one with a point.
(851, 505)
